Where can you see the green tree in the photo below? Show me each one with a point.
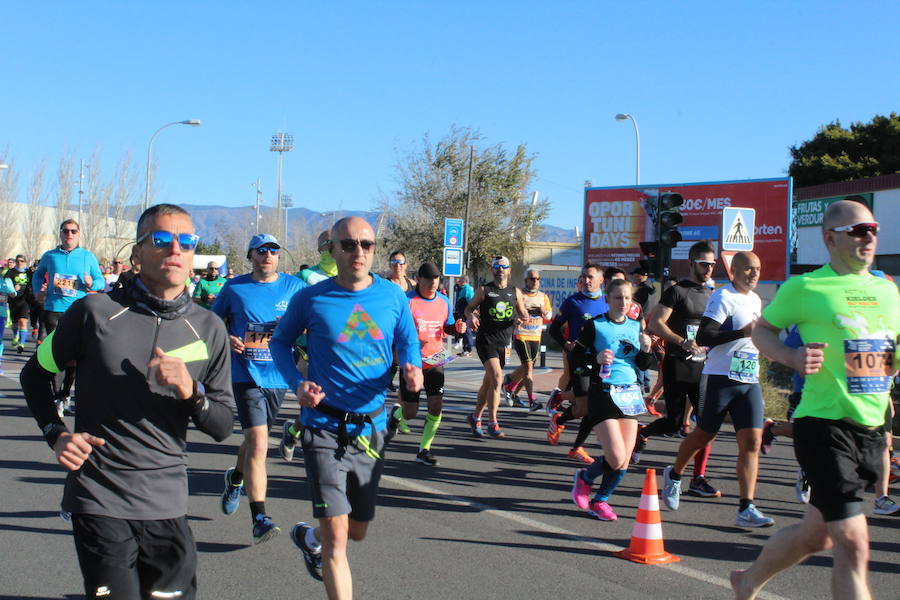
(433, 183)
(839, 154)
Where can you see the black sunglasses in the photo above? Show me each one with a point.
(858, 229)
(164, 239)
(67, 231)
(348, 245)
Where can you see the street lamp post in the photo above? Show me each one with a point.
(192, 123)
(287, 201)
(637, 136)
(281, 142)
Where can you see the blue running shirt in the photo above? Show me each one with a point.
(251, 309)
(623, 339)
(350, 335)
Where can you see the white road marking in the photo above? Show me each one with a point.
(534, 524)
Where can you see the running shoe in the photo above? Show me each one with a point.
(520, 402)
(639, 444)
(581, 490)
(425, 457)
(231, 497)
(751, 517)
(651, 407)
(534, 406)
(475, 426)
(402, 425)
(393, 424)
(636, 457)
(580, 454)
(507, 395)
(801, 488)
(700, 486)
(554, 430)
(15, 340)
(554, 401)
(671, 489)
(886, 506)
(288, 442)
(20, 348)
(264, 529)
(768, 438)
(312, 558)
(495, 432)
(602, 511)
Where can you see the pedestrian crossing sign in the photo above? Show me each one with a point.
(737, 228)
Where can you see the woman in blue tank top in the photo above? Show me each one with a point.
(618, 345)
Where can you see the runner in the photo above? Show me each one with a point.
(326, 266)
(527, 342)
(7, 293)
(464, 294)
(496, 303)
(351, 320)
(397, 274)
(148, 362)
(730, 384)
(251, 305)
(70, 272)
(20, 304)
(676, 320)
(618, 345)
(573, 313)
(431, 313)
(209, 285)
(850, 321)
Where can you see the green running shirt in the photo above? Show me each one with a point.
(858, 316)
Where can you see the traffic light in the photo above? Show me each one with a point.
(669, 219)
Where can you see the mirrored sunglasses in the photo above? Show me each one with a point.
(263, 250)
(164, 239)
(858, 229)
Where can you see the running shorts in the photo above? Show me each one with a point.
(601, 406)
(720, 395)
(527, 350)
(255, 405)
(344, 481)
(488, 351)
(123, 558)
(433, 385)
(839, 460)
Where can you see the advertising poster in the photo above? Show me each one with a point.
(616, 220)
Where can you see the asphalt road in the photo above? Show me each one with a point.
(494, 520)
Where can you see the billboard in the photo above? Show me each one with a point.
(617, 219)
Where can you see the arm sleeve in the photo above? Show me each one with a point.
(215, 415)
(555, 329)
(290, 326)
(643, 360)
(584, 351)
(36, 378)
(710, 333)
(98, 281)
(406, 339)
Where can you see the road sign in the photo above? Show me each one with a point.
(453, 262)
(737, 228)
(453, 233)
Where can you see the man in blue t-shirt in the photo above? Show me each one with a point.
(251, 305)
(351, 321)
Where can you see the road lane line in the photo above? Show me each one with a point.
(534, 524)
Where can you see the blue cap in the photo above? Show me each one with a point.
(262, 239)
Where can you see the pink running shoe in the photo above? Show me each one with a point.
(602, 511)
(581, 490)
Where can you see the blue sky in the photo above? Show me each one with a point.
(719, 92)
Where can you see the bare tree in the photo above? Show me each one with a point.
(34, 221)
(94, 231)
(9, 192)
(123, 196)
(65, 182)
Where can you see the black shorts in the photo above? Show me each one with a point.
(488, 351)
(720, 395)
(601, 406)
(433, 385)
(255, 405)
(579, 384)
(527, 350)
(839, 460)
(343, 482)
(122, 558)
(19, 311)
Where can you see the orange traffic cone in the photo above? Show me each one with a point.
(646, 536)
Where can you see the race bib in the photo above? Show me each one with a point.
(508, 351)
(744, 367)
(628, 398)
(65, 285)
(439, 359)
(256, 341)
(869, 365)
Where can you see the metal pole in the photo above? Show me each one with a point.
(258, 194)
(280, 156)
(467, 226)
(637, 135)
